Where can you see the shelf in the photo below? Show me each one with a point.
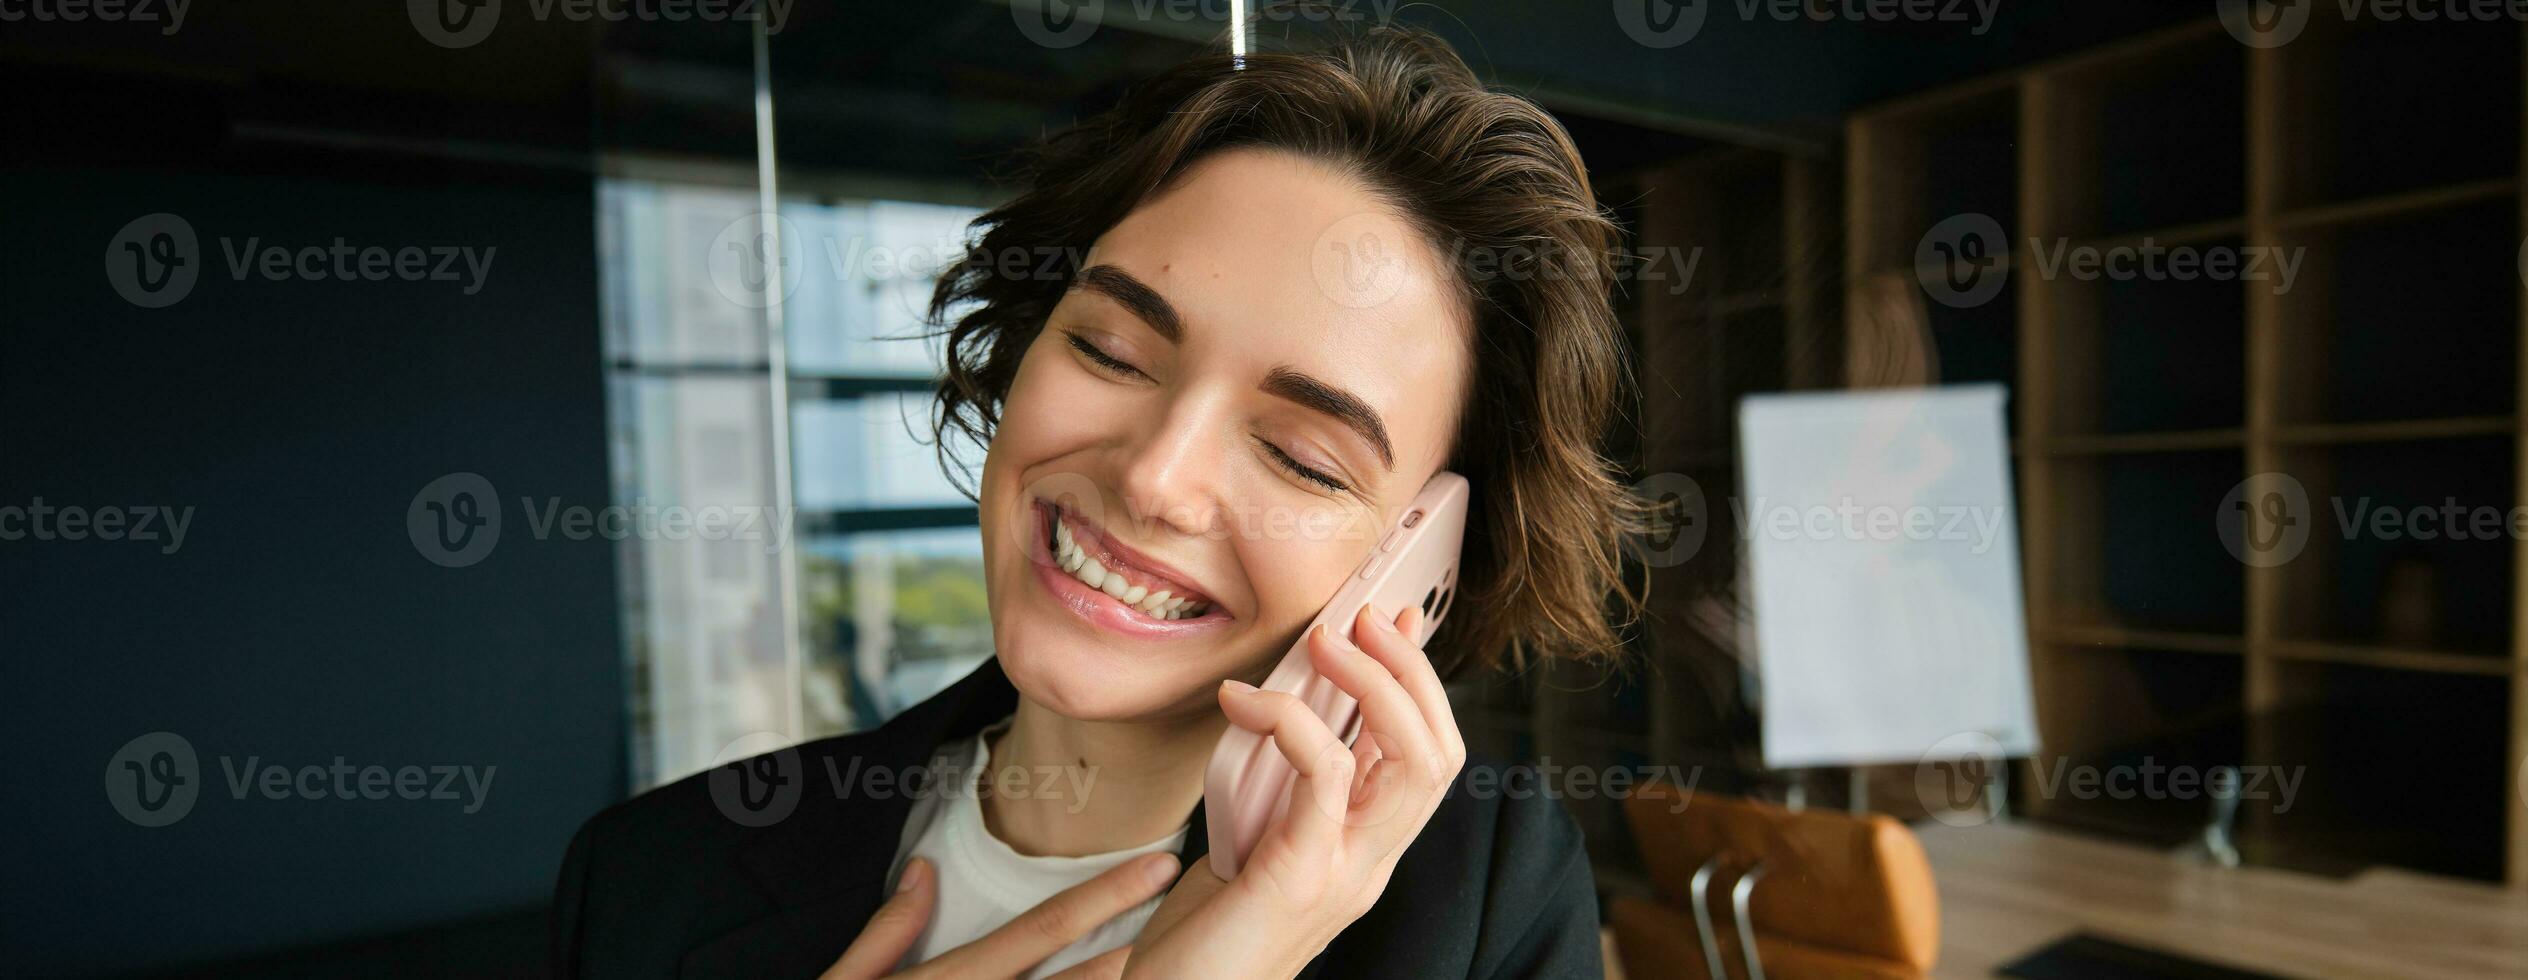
(2409, 546)
(2390, 658)
(2396, 205)
(2122, 638)
(2342, 433)
(2395, 767)
(2112, 444)
(2372, 108)
(2172, 236)
(2410, 316)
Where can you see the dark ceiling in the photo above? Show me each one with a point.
(933, 90)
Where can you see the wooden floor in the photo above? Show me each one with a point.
(2009, 889)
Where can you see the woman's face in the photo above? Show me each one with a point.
(1251, 376)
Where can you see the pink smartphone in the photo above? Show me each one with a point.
(1248, 785)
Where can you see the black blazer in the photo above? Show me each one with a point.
(673, 883)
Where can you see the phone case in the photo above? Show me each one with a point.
(1247, 787)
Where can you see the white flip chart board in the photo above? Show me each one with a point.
(1882, 559)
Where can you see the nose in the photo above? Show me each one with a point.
(1172, 473)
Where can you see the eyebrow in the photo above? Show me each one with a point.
(1341, 404)
(1154, 309)
(1136, 296)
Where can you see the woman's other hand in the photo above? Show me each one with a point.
(1353, 811)
(1015, 947)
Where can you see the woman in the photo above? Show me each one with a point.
(1213, 349)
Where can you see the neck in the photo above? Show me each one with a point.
(1094, 786)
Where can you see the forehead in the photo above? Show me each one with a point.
(1272, 259)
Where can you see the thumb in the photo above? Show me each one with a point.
(892, 930)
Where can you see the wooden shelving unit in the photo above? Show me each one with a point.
(1759, 313)
(2386, 155)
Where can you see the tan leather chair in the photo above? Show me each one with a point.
(1822, 894)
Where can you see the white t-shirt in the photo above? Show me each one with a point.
(983, 884)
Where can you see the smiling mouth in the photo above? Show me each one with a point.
(1144, 593)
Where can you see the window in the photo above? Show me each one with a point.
(887, 580)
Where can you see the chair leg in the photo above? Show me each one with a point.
(1746, 923)
(1696, 891)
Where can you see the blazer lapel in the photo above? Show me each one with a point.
(824, 867)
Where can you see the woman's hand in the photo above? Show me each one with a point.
(1352, 812)
(1014, 948)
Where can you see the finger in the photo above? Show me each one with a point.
(1413, 670)
(1107, 966)
(1061, 920)
(1323, 762)
(893, 929)
(1192, 889)
(1386, 709)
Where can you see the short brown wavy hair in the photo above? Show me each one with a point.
(1481, 173)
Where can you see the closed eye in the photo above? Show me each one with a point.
(1100, 358)
(1303, 470)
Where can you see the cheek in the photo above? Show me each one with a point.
(1299, 557)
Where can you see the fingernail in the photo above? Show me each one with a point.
(1237, 686)
(912, 875)
(1381, 619)
(1160, 870)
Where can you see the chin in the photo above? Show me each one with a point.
(1076, 680)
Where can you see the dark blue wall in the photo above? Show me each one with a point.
(297, 622)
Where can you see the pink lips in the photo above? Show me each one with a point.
(1100, 609)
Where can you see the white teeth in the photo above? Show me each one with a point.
(1157, 605)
